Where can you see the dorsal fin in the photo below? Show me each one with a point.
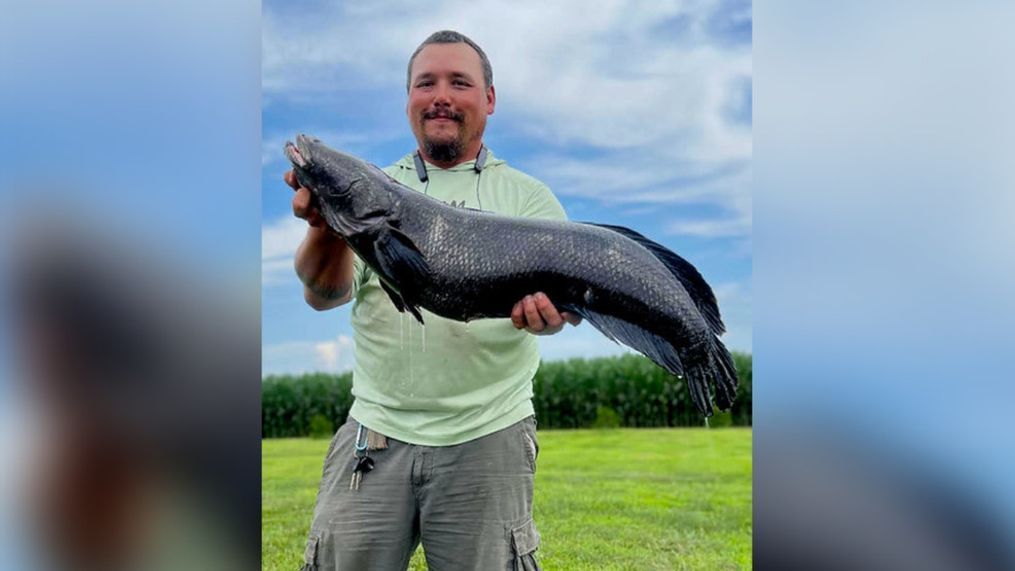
(681, 269)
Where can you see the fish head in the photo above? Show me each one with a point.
(351, 193)
(322, 169)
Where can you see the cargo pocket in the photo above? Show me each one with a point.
(310, 555)
(530, 451)
(525, 541)
(529, 442)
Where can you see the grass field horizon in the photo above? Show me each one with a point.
(628, 498)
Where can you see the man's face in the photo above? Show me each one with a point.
(448, 102)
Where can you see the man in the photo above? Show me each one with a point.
(444, 411)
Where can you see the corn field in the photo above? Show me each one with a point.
(628, 391)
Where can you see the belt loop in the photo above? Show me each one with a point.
(376, 440)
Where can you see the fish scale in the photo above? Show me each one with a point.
(465, 264)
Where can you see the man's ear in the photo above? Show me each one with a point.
(491, 100)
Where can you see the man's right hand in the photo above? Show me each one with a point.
(324, 263)
(303, 202)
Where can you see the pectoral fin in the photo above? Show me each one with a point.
(396, 298)
(403, 266)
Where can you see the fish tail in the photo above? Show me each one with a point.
(712, 362)
(725, 375)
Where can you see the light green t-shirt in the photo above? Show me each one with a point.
(447, 382)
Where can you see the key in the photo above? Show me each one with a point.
(363, 465)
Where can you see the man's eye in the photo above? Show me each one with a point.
(424, 84)
(460, 83)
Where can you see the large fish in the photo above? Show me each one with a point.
(466, 264)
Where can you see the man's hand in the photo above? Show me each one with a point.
(324, 263)
(538, 316)
(303, 202)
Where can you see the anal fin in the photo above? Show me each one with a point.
(661, 351)
(708, 362)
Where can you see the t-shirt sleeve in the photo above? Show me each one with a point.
(541, 203)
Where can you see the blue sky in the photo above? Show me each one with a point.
(633, 114)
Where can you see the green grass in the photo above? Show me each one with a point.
(677, 498)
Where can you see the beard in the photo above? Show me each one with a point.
(443, 151)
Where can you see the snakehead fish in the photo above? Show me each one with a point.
(466, 264)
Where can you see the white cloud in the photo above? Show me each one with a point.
(728, 292)
(295, 357)
(279, 241)
(652, 100)
(711, 228)
(734, 300)
(271, 148)
(332, 354)
(282, 237)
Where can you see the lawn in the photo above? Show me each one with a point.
(640, 499)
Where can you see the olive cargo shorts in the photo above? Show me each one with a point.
(470, 505)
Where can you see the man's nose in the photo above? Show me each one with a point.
(442, 93)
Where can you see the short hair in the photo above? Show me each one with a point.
(451, 37)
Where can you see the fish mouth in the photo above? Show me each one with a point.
(299, 154)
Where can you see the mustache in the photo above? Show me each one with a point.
(435, 113)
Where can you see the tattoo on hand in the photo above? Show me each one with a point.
(321, 291)
(329, 293)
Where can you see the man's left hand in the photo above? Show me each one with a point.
(537, 315)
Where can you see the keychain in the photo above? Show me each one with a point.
(364, 463)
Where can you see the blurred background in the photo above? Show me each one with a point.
(130, 284)
(884, 195)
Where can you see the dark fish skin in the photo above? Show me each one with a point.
(466, 264)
